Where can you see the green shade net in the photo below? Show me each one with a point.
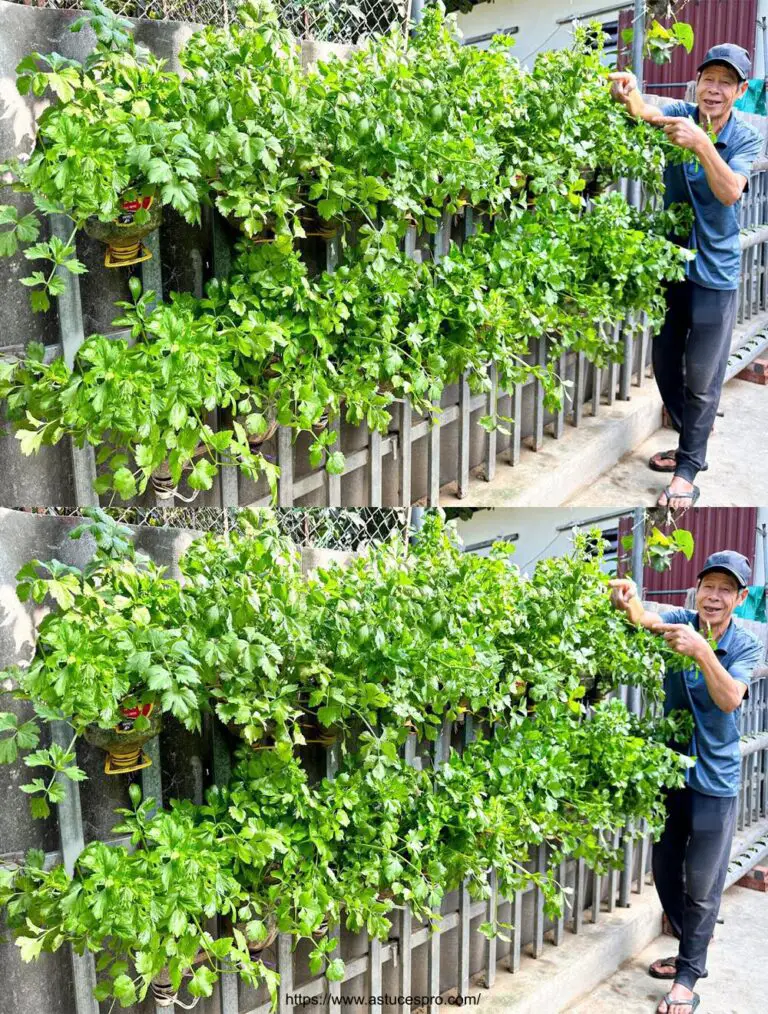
(753, 99)
(753, 606)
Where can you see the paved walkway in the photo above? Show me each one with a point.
(737, 475)
(737, 963)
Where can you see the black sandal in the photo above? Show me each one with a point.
(671, 455)
(693, 1003)
(672, 962)
(692, 495)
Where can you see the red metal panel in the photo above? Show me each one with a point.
(713, 529)
(713, 22)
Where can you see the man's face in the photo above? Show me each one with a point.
(717, 89)
(717, 596)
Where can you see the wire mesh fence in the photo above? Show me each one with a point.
(347, 529)
(323, 20)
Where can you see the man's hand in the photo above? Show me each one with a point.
(622, 591)
(684, 639)
(683, 132)
(623, 84)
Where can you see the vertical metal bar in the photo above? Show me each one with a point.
(406, 452)
(229, 998)
(490, 944)
(334, 481)
(70, 317)
(645, 342)
(285, 461)
(597, 891)
(538, 398)
(285, 970)
(490, 438)
(625, 374)
(72, 844)
(515, 444)
(559, 929)
(374, 958)
(332, 257)
(517, 919)
(374, 468)
(464, 951)
(645, 845)
(332, 762)
(613, 370)
(538, 905)
(625, 881)
(559, 423)
(578, 896)
(613, 878)
(462, 482)
(597, 389)
(433, 459)
(439, 753)
(578, 388)
(406, 956)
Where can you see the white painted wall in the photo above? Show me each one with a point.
(535, 526)
(537, 21)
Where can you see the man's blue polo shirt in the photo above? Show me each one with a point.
(716, 229)
(715, 742)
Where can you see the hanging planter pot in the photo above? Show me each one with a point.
(257, 439)
(314, 224)
(163, 993)
(124, 742)
(257, 946)
(123, 235)
(314, 732)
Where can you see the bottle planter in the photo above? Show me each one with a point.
(123, 235)
(162, 991)
(124, 742)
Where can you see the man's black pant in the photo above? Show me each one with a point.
(690, 356)
(690, 862)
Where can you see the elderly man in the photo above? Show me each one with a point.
(691, 858)
(690, 354)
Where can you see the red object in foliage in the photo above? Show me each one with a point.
(142, 202)
(135, 712)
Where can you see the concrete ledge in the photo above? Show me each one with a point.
(562, 467)
(552, 983)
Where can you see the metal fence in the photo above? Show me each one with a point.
(345, 529)
(413, 960)
(343, 21)
(417, 458)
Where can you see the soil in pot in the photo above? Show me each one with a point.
(124, 742)
(123, 235)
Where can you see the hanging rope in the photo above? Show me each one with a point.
(165, 997)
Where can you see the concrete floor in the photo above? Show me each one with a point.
(737, 963)
(737, 456)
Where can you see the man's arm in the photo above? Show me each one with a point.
(624, 598)
(726, 185)
(726, 692)
(624, 90)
